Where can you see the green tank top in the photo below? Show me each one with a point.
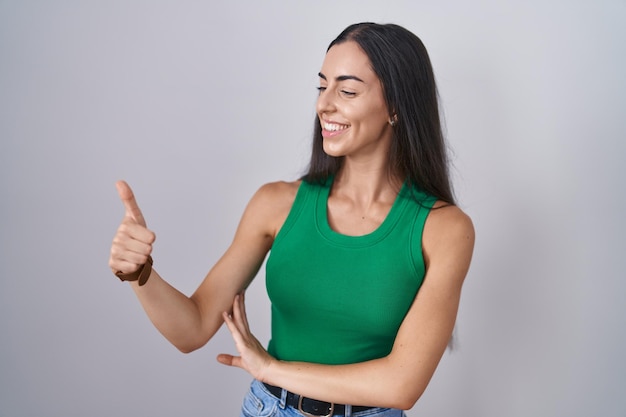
(340, 299)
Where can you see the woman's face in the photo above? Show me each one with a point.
(351, 106)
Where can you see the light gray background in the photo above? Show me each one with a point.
(197, 104)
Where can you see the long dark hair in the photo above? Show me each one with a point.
(418, 151)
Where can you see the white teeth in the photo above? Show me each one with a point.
(334, 127)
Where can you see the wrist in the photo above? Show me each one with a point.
(271, 371)
(141, 275)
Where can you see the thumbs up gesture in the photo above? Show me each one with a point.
(132, 243)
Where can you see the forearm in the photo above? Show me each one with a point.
(378, 383)
(174, 314)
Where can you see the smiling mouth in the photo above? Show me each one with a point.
(333, 127)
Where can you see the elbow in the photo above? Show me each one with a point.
(188, 341)
(186, 349)
(405, 402)
(405, 396)
(188, 346)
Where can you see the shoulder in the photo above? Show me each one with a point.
(271, 204)
(277, 193)
(449, 219)
(448, 234)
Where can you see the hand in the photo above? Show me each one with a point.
(132, 243)
(253, 358)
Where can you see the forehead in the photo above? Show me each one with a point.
(347, 58)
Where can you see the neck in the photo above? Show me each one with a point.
(366, 183)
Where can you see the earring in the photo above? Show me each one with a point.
(394, 120)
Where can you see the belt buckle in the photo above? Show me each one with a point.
(330, 412)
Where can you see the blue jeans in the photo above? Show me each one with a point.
(261, 403)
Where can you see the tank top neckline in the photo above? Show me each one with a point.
(378, 234)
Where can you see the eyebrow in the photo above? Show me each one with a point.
(341, 77)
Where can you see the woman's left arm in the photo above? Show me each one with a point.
(398, 379)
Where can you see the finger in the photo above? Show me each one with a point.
(123, 244)
(133, 239)
(124, 267)
(130, 230)
(230, 360)
(233, 329)
(240, 312)
(239, 317)
(127, 260)
(128, 256)
(130, 204)
(227, 359)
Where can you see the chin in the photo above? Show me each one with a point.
(333, 152)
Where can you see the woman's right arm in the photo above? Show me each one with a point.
(189, 322)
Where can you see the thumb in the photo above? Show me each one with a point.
(229, 360)
(130, 204)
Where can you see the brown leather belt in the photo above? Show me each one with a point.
(311, 407)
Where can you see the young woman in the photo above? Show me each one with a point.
(368, 251)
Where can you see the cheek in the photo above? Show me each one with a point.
(377, 117)
(370, 115)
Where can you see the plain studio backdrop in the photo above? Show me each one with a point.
(197, 104)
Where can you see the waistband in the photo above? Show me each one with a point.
(310, 406)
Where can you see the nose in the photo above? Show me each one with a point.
(325, 102)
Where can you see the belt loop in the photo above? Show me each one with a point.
(348, 410)
(283, 399)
